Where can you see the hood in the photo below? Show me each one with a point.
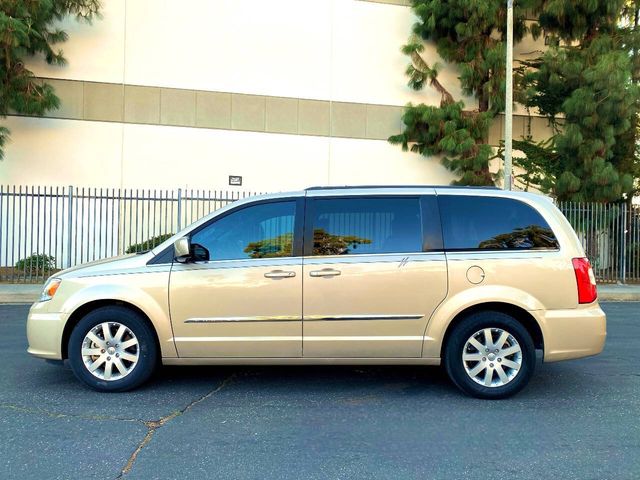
(121, 262)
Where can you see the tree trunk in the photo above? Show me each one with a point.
(483, 103)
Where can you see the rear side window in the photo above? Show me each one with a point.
(348, 226)
(492, 223)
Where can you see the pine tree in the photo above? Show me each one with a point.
(583, 85)
(27, 28)
(469, 35)
(627, 149)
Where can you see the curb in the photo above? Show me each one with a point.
(21, 293)
(619, 296)
(17, 299)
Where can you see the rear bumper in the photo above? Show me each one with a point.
(44, 332)
(573, 333)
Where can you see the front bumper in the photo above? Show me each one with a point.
(573, 333)
(44, 332)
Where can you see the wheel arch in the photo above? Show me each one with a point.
(85, 308)
(520, 314)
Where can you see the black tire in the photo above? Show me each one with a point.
(455, 346)
(147, 349)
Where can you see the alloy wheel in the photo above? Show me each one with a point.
(492, 357)
(110, 351)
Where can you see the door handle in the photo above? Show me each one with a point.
(325, 272)
(280, 274)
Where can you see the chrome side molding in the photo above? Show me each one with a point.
(361, 317)
(310, 318)
(284, 318)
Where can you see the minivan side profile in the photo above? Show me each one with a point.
(474, 279)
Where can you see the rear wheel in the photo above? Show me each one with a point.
(112, 349)
(490, 355)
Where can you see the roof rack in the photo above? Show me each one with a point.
(351, 187)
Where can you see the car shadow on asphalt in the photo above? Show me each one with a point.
(341, 382)
(428, 381)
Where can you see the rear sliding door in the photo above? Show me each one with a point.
(373, 273)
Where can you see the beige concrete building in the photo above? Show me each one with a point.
(285, 93)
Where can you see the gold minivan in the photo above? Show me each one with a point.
(476, 279)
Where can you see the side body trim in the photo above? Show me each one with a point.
(311, 318)
(362, 317)
(283, 318)
(300, 361)
(350, 338)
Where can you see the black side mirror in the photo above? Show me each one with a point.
(199, 253)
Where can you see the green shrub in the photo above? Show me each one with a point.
(36, 262)
(148, 244)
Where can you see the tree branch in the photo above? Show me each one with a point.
(432, 73)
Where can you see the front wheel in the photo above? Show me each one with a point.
(490, 355)
(112, 349)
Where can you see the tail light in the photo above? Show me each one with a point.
(585, 279)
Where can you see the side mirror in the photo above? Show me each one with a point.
(182, 249)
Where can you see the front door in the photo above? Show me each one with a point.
(246, 299)
(373, 274)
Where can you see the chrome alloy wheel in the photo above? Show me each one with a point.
(492, 357)
(110, 351)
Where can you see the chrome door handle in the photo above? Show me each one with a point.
(280, 274)
(325, 272)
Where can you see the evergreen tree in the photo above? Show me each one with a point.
(27, 28)
(468, 34)
(583, 85)
(627, 149)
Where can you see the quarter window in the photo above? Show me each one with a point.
(349, 226)
(259, 231)
(492, 223)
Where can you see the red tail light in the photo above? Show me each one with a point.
(585, 279)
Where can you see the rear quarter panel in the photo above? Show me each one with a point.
(534, 280)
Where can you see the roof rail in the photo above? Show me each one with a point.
(350, 187)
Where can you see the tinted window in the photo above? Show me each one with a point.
(366, 225)
(259, 231)
(474, 222)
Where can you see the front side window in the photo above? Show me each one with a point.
(348, 226)
(258, 231)
(492, 223)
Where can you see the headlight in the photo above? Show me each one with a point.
(50, 289)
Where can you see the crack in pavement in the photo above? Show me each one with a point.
(154, 425)
(47, 413)
(612, 374)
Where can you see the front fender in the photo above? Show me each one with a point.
(452, 306)
(145, 291)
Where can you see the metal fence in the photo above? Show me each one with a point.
(610, 234)
(45, 229)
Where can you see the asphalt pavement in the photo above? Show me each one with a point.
(576, 420)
